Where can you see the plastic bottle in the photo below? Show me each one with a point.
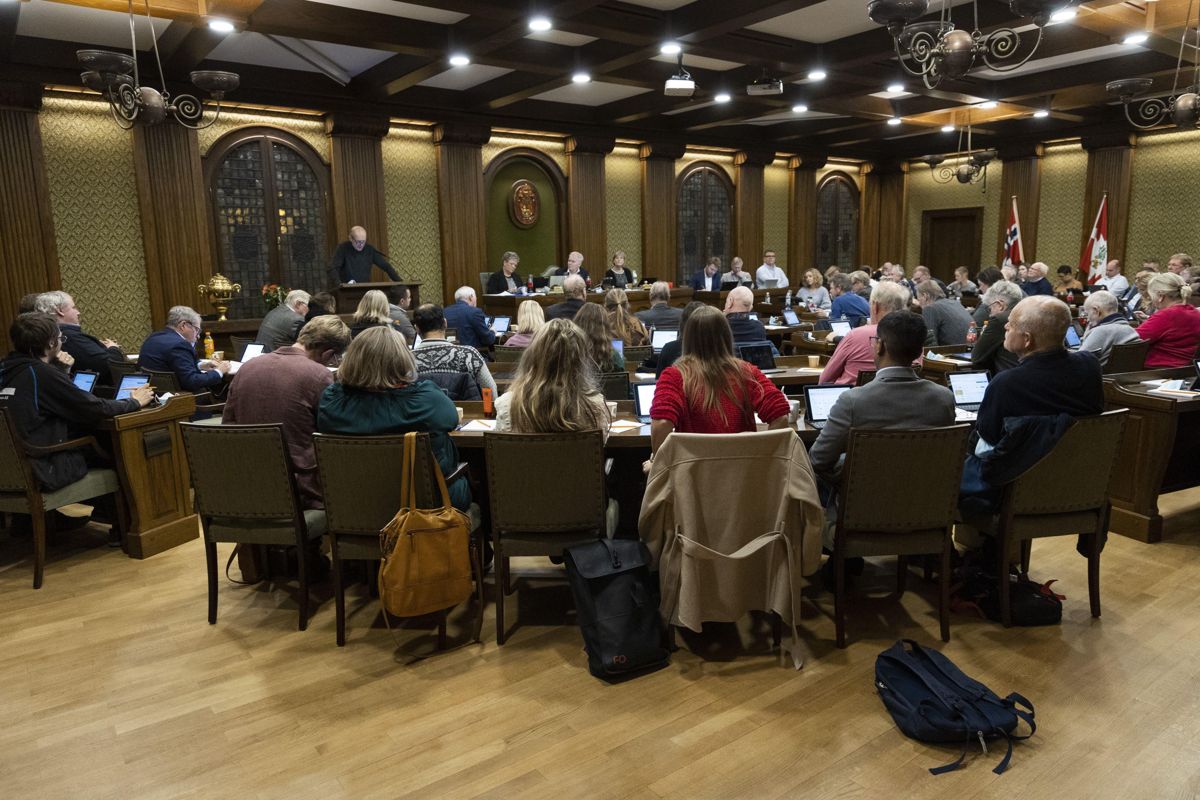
(210, 347)
(972, 334)
(529, 285)
(787, 301)
(489, 408)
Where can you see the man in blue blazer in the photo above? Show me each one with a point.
(468, 321)
(709, 278)
(173, 349)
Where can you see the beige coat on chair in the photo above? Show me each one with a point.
(733, 523)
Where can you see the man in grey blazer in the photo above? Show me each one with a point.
(896, 398)
(660, 314)
(282, 324)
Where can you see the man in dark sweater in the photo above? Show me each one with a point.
(1035, 280)
(90, 354)
(574, 290)
(353, 258)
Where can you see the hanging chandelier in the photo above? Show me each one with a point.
(1181, 108)
(115, 75)
(939, 50)
(966, 165)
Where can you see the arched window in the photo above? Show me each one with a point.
(837, 223)
(270, 200)
(705, 214)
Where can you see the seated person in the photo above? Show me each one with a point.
(988, 352)
(285, 386)
(282, 323)
(320, 304)
(373, 311)
(378, 393)
(399, 300)
(1106, 326)
(556, 388)
(736, 275)
(1066, 281)
(672, 350)
(860, 283)
(46, 407)
(625, 326)
(89, 353)
(962, 283)
(855, 352)
(620, 275)
(1174, 329)
(709, 278)
(813, 293)
(845, 303)
(530, 319)
(441, 361)
(946, 319)
(986, 279)
(897, 398)
(28, 303)
(738, 305)
(506, 278)
(1035, 280)
(1139, 300)
(1114, 279)
(173, 349)
(592, 320)
(574, 266)
(574, 290)
(709, 390)
(468, 321)
(660, 314)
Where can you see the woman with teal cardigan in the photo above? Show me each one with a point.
(377, 393)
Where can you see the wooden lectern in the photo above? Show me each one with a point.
(153, 470)
(349, 295)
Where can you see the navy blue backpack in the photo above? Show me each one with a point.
(932, 700)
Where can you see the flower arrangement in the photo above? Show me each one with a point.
(273, 295)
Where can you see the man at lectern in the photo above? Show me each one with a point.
(352, 259)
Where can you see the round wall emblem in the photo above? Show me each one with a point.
(524, 205)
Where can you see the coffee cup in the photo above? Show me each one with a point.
(218, 355)
(814, 361)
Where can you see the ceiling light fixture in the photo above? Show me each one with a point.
(220, 26)
(1063, 15)
(895, 88)
(1041, 113)
(115, 75)
(670, 49)
(540, 24)
(948, 129)
(581, 77)
(893, 121)
(459, 60)
(1182, 107)
(988, 105)
(937, 50)
(817, 75)
(969, 166)
(799, 108)
(1136, 38)
(722, 97)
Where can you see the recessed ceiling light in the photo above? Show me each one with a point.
(816, 75)
(1041, 113)
(894, 121)
(1063, 14)
(220, 25)
(723, 97)
(581, 77)
(799, 108)
(670, 49)
(987, 105)
(948, 129)
(1136, 38)
(540, 24)
(895, 88)
(459, 60)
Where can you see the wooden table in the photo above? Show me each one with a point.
(505, 305)
(1158, 451)
(937, 370)
(349, 295)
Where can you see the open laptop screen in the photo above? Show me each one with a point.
(758, 354)
(129, 383)
(253, 350)
(968, 387)
(500, 324)
(643, 397)
(660, 337)
(790, 317)
(1072, 338)
(619, 346)
(85, 380)
(839, 328)
(819, 400)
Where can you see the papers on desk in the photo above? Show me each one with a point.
(932, 356)
(810, 370)
(479, 425)
(1173, 388)
(962, 415)
(622, 425)
(207, 365)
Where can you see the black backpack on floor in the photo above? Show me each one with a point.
(932, 700)
(616, 600)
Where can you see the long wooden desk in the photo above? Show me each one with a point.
(1158, 451)
(506, 305)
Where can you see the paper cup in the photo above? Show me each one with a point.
(793, 412)
(459, 409)
(814, 361)
(612, 410)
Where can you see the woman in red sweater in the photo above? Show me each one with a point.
(708, 390)
(1173, 330)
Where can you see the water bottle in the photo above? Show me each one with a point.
(972, 334)
(787, 301)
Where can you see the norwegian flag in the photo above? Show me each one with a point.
(1014, 252)
(1094, 257)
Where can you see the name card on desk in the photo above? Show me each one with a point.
(622, 425)
(479, 425)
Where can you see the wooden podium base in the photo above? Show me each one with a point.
(143, 544)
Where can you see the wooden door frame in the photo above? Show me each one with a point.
(930, 215)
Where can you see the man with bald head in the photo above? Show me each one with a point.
(1035, 280)
(574, 266)
(746, 330)
(353, 258)
(1114, 280)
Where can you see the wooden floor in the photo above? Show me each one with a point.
(112, 684)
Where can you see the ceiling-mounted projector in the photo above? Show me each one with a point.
(680, 84)
(765, 85)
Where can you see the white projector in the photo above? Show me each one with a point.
(679, 86)
(765, 86)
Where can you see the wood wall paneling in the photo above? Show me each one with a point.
(176, 234)
(882, 222)
(461, 204)
(356, 172)
(748, 205)
(659, 221)
(1021, 178)
(1109, 170)
(586, 202)
(802, 214)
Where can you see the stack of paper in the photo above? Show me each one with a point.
(479, 425)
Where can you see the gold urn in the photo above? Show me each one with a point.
(219, 292)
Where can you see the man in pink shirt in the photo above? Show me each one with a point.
(855, 352)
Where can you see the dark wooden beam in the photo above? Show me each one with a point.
(9, 14)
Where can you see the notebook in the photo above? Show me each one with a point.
(659, 337)
(968, 388)
(131, 382)
(85, 380)
(818, 402)
(839, 328)
(759, 354)
(500, 324)
(643, 398)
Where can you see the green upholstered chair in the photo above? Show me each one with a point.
(238, 345)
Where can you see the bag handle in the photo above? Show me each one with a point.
(410, 472)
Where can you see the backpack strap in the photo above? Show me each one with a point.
(1015, 698)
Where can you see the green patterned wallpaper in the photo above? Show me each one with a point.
(623, 204)
(926, 194)
(1060, 212)
(97, 226)
(410, 192)
(1163, 214)
(310, 129)
(775, 212)
(553, 147)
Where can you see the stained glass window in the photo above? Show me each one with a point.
(837, 224)
(705, 219)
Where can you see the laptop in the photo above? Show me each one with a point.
(131, 382)
(759, 354)
(839, 328)
(769, 283)
(818, 402)
(968, 389)
(619, 346)
(85, 380)
(1072, 340)
(500, 324)
(556, 280)
(643, 398)
(660, 337)
(790, 317)
(253, 350)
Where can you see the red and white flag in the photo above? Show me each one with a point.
(1014, 252)
(1095, 252)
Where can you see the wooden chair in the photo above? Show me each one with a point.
(20, 492)
(362, 494)
(1063, 494)
(238, 344)
(507, 355)
(119, 367)
(1130, 357)
(164, 381)
(878, 515)
(246, 493)
(576, 510)
(615, 385)
(637, 355)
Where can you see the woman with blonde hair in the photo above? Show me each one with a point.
(625, 326)
(530, 319)
(618, 273)
(378, 393)
(592, 320)
(709, 390)
(555, 389)
(812, 292)
(373, 311)
(1174, 329)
